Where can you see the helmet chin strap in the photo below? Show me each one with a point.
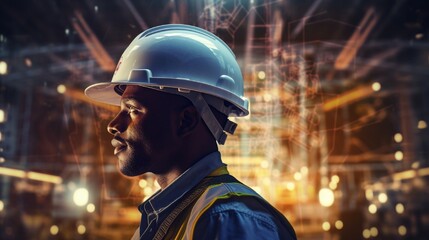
(200, 103)
(207, 115)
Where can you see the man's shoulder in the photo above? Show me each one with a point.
(232, 195)
(249, 213)
(237, 204)
(234, 198)
(244, 204)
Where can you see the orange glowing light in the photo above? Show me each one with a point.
(30, 175)
(348, 97)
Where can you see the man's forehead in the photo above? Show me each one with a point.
(143, 94)
(133, 89)
(139, 92)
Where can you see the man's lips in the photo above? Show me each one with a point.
(119, 145)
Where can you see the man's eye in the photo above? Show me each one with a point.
(132, 109)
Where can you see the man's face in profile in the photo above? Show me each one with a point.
(145, 131)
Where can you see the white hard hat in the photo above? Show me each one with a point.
(184, 60)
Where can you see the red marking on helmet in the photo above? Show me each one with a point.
(119, 64)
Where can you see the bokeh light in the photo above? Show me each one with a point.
(3, 68)
(366, 233)
(61, 88)
(373, 232)
(398, 137)
(2, 116)
(261, 75)
(399, 155)
(81, 229)
(90, 208)
(382, 197)
(326, 197)
(399, 207)
(297, 176)
(372, 208)
(339, 224)
(422, 124)
(376, 86)
(142, 183)
(54, 230)
(326, 226)
(81, 196)
(402, 230)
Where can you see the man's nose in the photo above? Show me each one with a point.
(115, 126)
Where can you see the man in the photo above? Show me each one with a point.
(176, 86)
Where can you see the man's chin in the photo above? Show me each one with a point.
(128, 170)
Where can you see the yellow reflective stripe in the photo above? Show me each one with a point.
(220, 171)
(209, 197)
(179, 234)
(204, 205)
(136, 235)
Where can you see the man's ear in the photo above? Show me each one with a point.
(189, 120)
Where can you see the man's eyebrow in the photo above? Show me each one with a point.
(128, 99)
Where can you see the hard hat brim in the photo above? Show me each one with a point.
(105, 93)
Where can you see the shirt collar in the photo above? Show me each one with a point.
(181, 185)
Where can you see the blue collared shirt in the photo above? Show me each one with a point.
(156, 208)
(242, 218)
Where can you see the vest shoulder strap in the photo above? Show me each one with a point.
(182, 209)
(210, 196)
(224, 191)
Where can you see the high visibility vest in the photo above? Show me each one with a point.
(181, 222)
(209, 197)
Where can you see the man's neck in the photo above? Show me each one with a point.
(166, 179)
(188, 157)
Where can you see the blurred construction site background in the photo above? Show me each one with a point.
(337, 138)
